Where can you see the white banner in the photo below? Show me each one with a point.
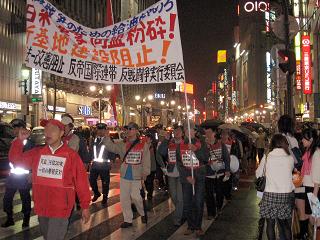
(144, 49)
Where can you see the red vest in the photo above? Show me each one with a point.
(134, 157)
(172, 156)
(186, 156)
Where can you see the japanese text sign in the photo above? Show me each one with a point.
(306, 65)
(144, 49)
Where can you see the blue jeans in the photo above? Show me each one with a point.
(193, 205)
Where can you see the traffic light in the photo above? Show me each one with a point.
(284, 58)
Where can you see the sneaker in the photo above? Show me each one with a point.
(144, 219)
(199, 233)
(104, 200)
(125, 225)
(8, 223)
(26, 221)
(95, 197)
(188, 232)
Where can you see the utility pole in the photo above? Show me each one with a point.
(289, 97)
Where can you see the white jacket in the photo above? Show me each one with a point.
(279, 168)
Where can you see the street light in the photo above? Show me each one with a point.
(150, 97)
(179, 107)
(173, 102)
(162, 103)
(25, 72)
(108, 88)
(137, 97)
(93, 88)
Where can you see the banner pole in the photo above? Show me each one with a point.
(189, 133)
(123, 111)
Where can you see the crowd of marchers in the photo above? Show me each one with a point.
(197, 165)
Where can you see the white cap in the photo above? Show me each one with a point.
(66, 120)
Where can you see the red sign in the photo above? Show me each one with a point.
(298, 75)
(306, 65)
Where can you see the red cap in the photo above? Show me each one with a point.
(55, 122)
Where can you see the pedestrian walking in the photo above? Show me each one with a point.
(135, 167)
(278, 198)
(101, 164)
(57, 175)
(168, 150)
(310, 172)
(18, 180)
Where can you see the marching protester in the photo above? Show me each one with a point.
(18, 179)
(197, 154)
(168, 149)
(218, 170)
(150, 178)
(101, 164)
(69, 137)
(135, 168)
(278, 198)
(57, 175)
(311, 174)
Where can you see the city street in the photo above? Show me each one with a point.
(238, 220)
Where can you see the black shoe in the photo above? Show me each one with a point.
(8, 223)
(149, 196)
(95, 197)
(104, 200)
(26, 221)
(144, 219)
(125, 225)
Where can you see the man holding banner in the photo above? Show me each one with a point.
(193, 157)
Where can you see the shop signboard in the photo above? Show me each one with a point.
(36, 82)
(306, 65)
(85, 110)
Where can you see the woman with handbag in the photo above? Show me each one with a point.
(310, 172)
(278, 198)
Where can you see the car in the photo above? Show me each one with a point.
(37, 136)
(6, 137)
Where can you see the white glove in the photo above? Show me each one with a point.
(165, 171)
(313, 198)
(226, 178)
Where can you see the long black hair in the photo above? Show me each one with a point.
(286, 125)
(279, 141)
(309, 134)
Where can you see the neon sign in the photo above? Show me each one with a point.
(306, 65)
(256, 6)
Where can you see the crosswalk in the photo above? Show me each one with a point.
(105, 220)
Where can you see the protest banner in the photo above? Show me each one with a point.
(144, 49)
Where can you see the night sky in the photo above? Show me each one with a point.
(206, 26)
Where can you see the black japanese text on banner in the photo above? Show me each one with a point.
(144, 49)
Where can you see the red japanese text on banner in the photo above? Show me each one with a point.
(144, 49)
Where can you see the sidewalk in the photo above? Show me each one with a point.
(239, 219)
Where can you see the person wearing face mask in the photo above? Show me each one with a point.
(57, 176)
(18, 180)
(309, 166)
(168, 150)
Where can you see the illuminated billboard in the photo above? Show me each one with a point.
(222, 56)
(180, 87)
